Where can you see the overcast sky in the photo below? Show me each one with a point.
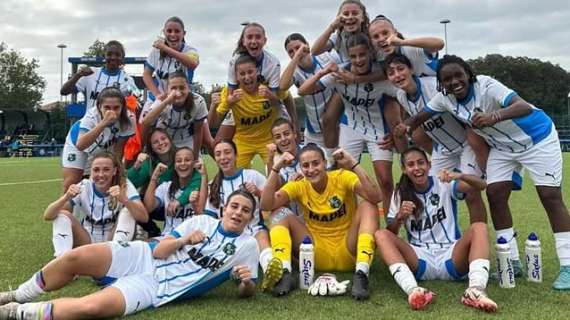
(538, 29)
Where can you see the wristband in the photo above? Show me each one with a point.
(275, 170)
(354, 166)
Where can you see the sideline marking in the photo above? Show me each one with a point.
(28, 182)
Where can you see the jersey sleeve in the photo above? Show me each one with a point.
(331, 43)
(348, 179)
(500, 93)
(223, 106)
(201, 110)
(81, 84)
(274, 74)
(87, 123)
(249, 256)
(389, 89)
(394, 207)
(454, 193)
(328, 81)
(132, 192)
(293, 189)
(152, 59)
(151, 107)
(260, 180)
(161, 194)
(232, 83)
(436, 104)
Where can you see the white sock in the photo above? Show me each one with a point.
(126, 227)
(37, 310)
(479, 273)
(362, 266)
(404, 277)
(509, 235)
(31, 289)
(562, 240)
(264, 257)
(62, 236)
(287, 266)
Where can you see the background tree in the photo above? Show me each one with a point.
(21, 87)
(541, 83)
(97, 49)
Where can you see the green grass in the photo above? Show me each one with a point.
(26, 247)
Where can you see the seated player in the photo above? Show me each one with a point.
(206, 250)
(184, 179)
(427, 207)
(340, 228)
(103, 199)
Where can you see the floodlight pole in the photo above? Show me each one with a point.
(445, 22)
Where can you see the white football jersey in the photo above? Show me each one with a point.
(99, 217)
(195, 269)
(363, 104)
(183, 213)
(315, 103)
(489, 95)
(448, 133)
(437, 225)
(177, 123)
(268, 67)
(108, 138)
(233, 183)
(424, 63)
(162, 67)
(342, 51)
(287, 174)
(100, 79)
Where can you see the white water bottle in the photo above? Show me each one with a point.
(306, 263)
(505, 270)
(533, 258)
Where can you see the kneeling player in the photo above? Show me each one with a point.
(341, 229)
(200, 254)
(436, 250)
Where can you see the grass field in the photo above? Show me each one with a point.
(26, 246)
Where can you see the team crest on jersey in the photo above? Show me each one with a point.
(229, 249)
(71, 157)
(368, 87)
(335, 202)
(266, 105)
(434, 199)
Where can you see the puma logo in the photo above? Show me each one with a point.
(486, 268)
(282, 250)
(369, 254)
(123, 232)
(63, 235)
(550, 175)
(397, 270)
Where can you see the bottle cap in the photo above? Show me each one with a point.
(501, 240)
(532, 236)
(307, 240)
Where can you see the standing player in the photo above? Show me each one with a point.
(207, 251)
(91, 81)
(100, 198)
(427, 208)
(370, 113)
(254, 107)
(450, 148)
(422, 52)
(303, 66)
(231, 178)
(106, 128)
(181, 113)
(184, 179)
(520, 136)
(340, 228)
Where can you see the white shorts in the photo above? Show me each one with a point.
(353, 142)
(436, 264)
(132, 266)
(543, 161)
(71, 157)
(98, 233)
(464, 161)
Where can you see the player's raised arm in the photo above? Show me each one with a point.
(271, 198)
(364, 187)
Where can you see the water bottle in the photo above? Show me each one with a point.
(306, 263)
(533, 258)
(505, 271)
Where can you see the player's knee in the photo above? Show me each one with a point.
(496, 193)
(383, 236)
(550, 196)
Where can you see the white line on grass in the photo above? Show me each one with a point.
(28, 182)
